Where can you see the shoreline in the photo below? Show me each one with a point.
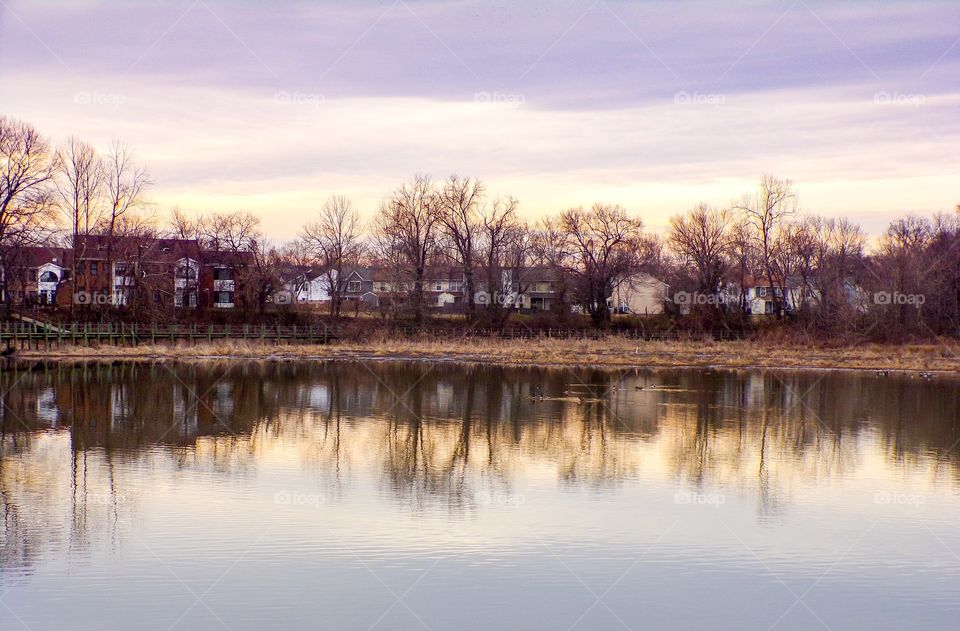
(612, 353)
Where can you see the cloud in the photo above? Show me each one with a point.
(655, 105)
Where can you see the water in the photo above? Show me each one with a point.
(415, 496)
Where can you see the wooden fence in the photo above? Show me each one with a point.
(37, 335)
(41, 335)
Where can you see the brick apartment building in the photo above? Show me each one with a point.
(102, 272)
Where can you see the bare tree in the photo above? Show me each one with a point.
(181, 226)
(236, 231)
(701, 238)
(743, 257)
(766, 211)
(409, 220)
(500, 230)
(27, 167)
(838, 248)
(79, 190)
(606, 243)
(902, 269)
(125, 186)
(942, 306)
(460, 201)
(336, 240)
(551, 250)
(386, 253)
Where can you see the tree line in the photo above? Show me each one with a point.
(822, 274)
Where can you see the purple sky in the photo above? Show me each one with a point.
(656, 105)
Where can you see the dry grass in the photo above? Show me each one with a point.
(609, 352)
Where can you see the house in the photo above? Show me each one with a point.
(308, 285)
(173, 272)
(541, 287)
(112, 271)
(222, 276)
(639, 294)
(529, 288)
(443, 287)
(360, 286)
(760, 296)
(36, 275)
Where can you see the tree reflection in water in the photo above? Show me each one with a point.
(437, 434)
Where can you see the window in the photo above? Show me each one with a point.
(121, 269)
(93, 268)
(438, 286)
(186, 271)
(81, 267)
(32, 275)
(156, 296)
(48, 277)
(223, 297)
(354, 286)
(222, 273)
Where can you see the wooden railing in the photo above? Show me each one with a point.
(42, 335)
(38, 334)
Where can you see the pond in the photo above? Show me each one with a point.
(404, 495)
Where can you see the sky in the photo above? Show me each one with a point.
(273, 107)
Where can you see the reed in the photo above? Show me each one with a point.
(612, 352)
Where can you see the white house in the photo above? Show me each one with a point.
(310, 287)
(49, 277)
(640, 294)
